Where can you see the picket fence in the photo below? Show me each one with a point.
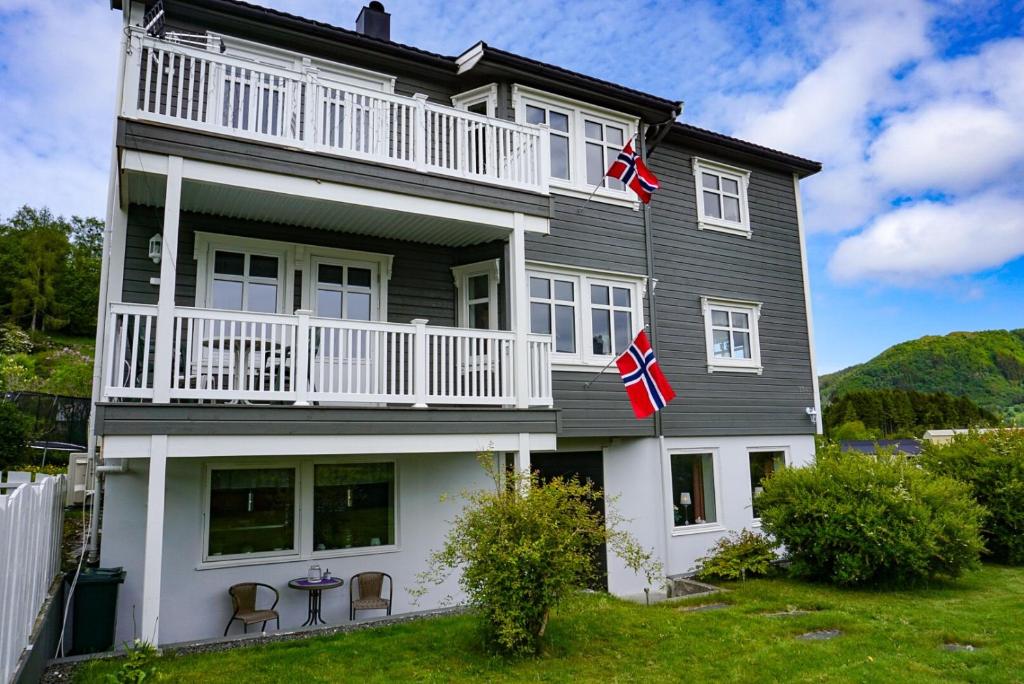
(31, 527)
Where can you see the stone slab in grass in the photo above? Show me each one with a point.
(960, 648)
(820, 635)
(703, 607)
(796, 612)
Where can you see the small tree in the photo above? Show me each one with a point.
(15, 432)
(522, 547)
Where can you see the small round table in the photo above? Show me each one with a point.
(315, 590)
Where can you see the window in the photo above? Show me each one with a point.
(693, 489)
(244, 281)
(343, 290)
(252, 511)
(585, 139)
(730, 329)
(477, 287)
(762, 465)
(591, 316)
(721, 197)
(482, 100)
(353, 505)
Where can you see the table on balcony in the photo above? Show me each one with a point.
(242, 349)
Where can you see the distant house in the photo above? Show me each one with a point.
(946, 436)
(911, 447)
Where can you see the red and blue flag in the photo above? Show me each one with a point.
(646, 385)
(629, 168)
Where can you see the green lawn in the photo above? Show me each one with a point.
(888, 636)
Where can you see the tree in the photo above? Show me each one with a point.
(522, 547)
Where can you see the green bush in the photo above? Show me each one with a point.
(14, 340)
(852, 518)
(138, 665)
(15, 432)
(992, 464)
(739, 556)
(522, 547)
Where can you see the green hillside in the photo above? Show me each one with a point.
(986, 366)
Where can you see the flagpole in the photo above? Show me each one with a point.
(590, 382)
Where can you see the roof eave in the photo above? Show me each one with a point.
(741, 148)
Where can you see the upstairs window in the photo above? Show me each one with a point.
(604, 142)
(558, 123)
(721, 197)
(730, 330)
(553, 309)
(244, 281)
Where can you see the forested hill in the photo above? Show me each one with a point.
(985, 366)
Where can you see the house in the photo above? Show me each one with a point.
(337, 268)
(909, 447)
(945, 436)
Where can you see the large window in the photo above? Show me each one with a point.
(343, 290)
(252, 511)
(693, 489)
(721, 197)
(353, 505)
(730, 329)
(585, 139)
(591, 316)
(762, 465)
(244, 281)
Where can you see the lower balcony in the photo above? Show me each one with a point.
(244, 357)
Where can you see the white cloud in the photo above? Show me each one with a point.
(923, 244)
(954, 146)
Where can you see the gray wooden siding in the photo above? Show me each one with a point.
(421, 284)
(235, 419)
(690, 263)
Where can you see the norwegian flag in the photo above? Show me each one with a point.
(629, 168)
(646, 385)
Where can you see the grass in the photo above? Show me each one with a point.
(887, 636)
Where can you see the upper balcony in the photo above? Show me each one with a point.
(293, 103)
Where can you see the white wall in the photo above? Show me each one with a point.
(195, 602)
(637, 472)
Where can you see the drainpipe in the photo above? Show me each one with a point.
(92, 548)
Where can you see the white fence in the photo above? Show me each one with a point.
(31, 527)
(297, 105)
(244, 356)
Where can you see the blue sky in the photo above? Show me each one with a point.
(916, 109)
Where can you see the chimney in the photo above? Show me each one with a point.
(373, 21)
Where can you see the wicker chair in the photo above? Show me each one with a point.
(370, 587)
(243, 599)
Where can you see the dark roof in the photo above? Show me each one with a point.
(911, 447)
(536, 67)
(804, 167)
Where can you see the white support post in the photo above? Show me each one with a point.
(131, 71)
(153, 555)
(545, 158)
(522, 455)
(520, 310)
(301, 354)
(420, 363)
(164, 348)
(310, 129)
(420, 148)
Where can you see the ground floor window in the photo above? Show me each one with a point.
(693, 489)
(354, 505)
(762, 465)
(252, 510)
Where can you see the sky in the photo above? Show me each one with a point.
(916, 109)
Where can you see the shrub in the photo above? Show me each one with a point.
(522, 547)
(138, 665)
(15, 432)
(738, 556)
(852, 518)
(992, 464)
(14, 340)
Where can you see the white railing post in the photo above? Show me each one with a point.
(301, 353)
(420, 363)
(420, 146)
(132, 76)
(544, 158)
(520, 310)
(310, 129)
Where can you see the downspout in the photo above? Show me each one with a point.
(92, 548)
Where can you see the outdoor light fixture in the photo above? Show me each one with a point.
(685, 501)
(812, 413)
(156, 247)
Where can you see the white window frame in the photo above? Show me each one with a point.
(312, 284)
(304, 467)
(755, 521)
(289, 554)
(742, 178)
(293, 257)
(584, 359)
(486, 93)
(701, 528)
(462, 274)
(753, 311)
(578, 112)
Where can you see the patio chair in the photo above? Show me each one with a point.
(243, 599)
(370, 596)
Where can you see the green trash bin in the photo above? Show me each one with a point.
(94, 613)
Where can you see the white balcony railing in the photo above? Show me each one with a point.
(242, 356)
(301, 107)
